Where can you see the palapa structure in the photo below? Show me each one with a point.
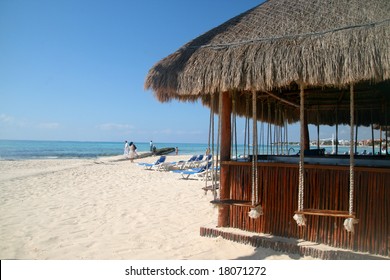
(317, 62)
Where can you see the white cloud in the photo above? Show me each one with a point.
(49, 125)
(169, 131)
(115, 126)
(20, 123)
(11, 121)
(6, 119)
(165, 131)
(191, 132)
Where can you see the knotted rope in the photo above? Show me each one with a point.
(256, 210)
(349, 222)
(300, 218)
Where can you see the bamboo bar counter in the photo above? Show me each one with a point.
(326, 189)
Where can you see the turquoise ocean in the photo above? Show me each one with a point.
(23, 149)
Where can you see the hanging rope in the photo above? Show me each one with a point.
(372, 135)
(234, 126)
(276, 131)
(280, 129)
(246, 135)
(254, 152)
(300, 218)
(215, 168)
(214, 182)
(357, 127)
(351, 153)
(256, 210)
(269, 136)
(337, 130)
(318, 127)
(387, 131)
(285, 132)
(262, 140)
(349, 222)
(302, 153)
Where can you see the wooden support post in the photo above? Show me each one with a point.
(223, 215)
(306, 136)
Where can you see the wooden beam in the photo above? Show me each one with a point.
(226, 126)
(326, 213)
(224, 210)
(283, 100)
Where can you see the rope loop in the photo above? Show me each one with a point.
(300, 219)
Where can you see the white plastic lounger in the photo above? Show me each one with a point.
(197, 173)
(155, 164)
(175, 165)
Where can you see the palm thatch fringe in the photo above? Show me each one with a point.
(272, 47)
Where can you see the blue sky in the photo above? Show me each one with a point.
(75, 69)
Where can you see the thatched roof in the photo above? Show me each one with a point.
(271, 48)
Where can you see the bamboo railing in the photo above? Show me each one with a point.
(326, 187)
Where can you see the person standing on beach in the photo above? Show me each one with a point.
(151, 145)
(132, 153)
(126, 150)
(135, 150)
(154, 149)
(177, 150)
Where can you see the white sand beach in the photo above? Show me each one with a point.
(107, 209)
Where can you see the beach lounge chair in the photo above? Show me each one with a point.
(199, 173)
(193, 163)
(208, 158)
(175, 165)
(202, 160)
(155, 164)
(182, 164)
(185, 163)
